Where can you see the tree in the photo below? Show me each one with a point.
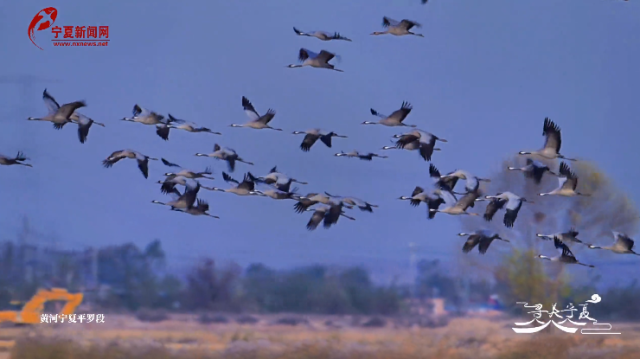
(520, 275)
(211, 288)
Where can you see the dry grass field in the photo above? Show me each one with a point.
(183, 337)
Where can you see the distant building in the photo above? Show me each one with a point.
(427, 306)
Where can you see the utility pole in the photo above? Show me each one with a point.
(94, 266)
(413, 270)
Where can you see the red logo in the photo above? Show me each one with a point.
(43, 19)
(80, 35)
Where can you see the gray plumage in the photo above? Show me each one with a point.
(312, 59)
(322, 35)
(552, 143)
(143, 160)
(17, 160)
(566, 256)
(398, 28)
(313, 135)
(58, 115)
(225, 154)
(395, 119)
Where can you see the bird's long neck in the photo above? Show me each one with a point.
(369, 123)
(545, 257)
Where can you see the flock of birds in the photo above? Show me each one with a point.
(439, 196)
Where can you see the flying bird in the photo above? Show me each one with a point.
(396, 28)
(17, 160)
(151, 118)
(395, 119)
(353, 201)
(460, 206)
(187, 173)
(534, 170)
(565, 255)
(84, 124)
(622, 245)
(279, 193)
(58, 115)
(257, 121)
(225, 154)
(168, 185)
(512, 206)
(424, 150)
(201, 209)
(443, 183)
(313, 135)
(570, 236)
(427, 141)
(310, 58)
(184, 201)
(322, 213)
(365, 157)
(322, 35)
(275, 178)
(244, 188)
(188, 126)
(481, 237)
(494, 205)
(143, 160)
(472, 183)
(432, 199)
(552, 143)
(567, 183)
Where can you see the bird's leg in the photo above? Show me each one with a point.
(565, 158)
(344, 215)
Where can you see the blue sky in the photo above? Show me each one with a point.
(484, 77)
